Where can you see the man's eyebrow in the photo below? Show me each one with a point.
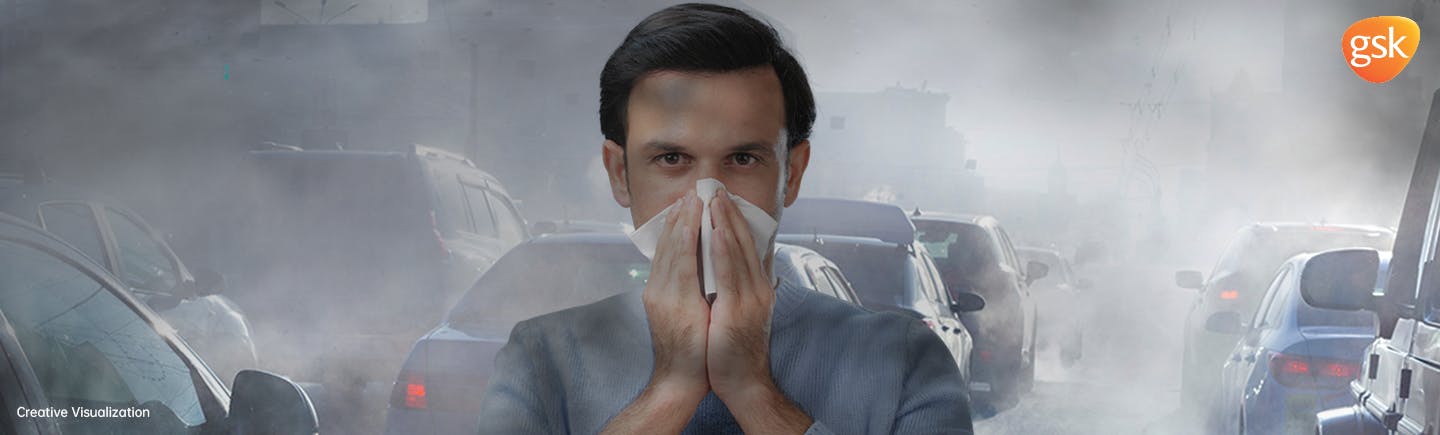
(661, 146)
(753, 147)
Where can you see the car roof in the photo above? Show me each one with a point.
(847, 217)
(832, 238)
(22, 199)
(414, 151)
(963, 218)
(1310, 227)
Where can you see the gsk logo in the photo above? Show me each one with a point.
(1378, 48)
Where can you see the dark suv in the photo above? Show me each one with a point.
(974, 254)
(1397, 389)
(359, 253)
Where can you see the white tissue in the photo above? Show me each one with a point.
(762, 229)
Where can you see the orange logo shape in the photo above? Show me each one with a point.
(1378, 48)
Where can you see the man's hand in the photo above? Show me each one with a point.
(738, 351)
(676, 309)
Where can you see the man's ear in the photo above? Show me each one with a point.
(798, 160)
(614, 157)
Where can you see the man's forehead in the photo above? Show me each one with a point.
(679, 90)
(738, 109)
(668, 89)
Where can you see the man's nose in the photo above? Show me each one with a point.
(708, 169)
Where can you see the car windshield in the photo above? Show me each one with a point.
(963, 253)
(525, 283)
(881, 275)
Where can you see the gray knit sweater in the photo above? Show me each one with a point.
(852, 370)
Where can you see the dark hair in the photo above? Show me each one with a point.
(702, 38)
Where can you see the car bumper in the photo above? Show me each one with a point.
(413, 421)
(1292, 411)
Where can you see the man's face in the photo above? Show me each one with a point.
(684, 126)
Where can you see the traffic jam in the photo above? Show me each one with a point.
(286, 217)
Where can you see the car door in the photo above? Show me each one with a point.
(1022, 289)
(1418, 389)
(1237, 366)
(933, 290)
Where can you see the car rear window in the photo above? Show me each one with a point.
(881, 275)
(525, 282)
(1306, 315)
(369, 243)
(957, 247)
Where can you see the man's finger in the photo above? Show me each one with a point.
(722, 251)
(740, 227)
(688, 237)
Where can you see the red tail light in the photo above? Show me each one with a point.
(1229, 295)
(1305, 372)
(985, 355)
(409, 392)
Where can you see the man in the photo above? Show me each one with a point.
(694, 92)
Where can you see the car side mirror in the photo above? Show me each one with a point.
(1340, 279)
(1225, 322)
(265, 403)
(1035, 270)
(1084, 284)
(208, 282)
(965, 302)
(1190, 279)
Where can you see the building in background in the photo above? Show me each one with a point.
(894, 146)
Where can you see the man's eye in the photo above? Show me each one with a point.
(745, 159)
(670, 159)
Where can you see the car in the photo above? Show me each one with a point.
(1060, 300)
(353, 255)
(1237, 284)
(119, 239)
(74, 338)
(974, 253)
(875, 245)
(1292, 360)
(1395, 391)
(439, 387)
